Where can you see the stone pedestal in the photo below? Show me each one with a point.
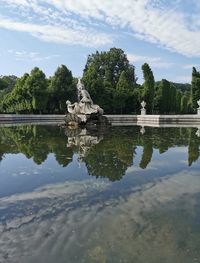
(143, 111)
(198, 111)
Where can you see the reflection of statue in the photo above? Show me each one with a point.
(84, 107)
(142, 130)
(198, 132)
(84, 141)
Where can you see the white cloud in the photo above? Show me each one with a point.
(17, 2)
(58, 34)
(76, 22)
(149, 20)
(155, 62)
(30, 56)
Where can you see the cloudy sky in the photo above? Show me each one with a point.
(48, 33)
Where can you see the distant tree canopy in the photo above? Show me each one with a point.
(111, 81)
(7, 82)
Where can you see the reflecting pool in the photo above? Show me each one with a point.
(123, 194)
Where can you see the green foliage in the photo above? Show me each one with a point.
(167, 98)
(193, 148)
(17, 99)
(172, 102)
(3, 84)
(101, 75)
(178, 101)
(195, 88)
(163, 96)
(28, 95)
(184, 104)
(123, 93)
(148, 92)
(7, 82)
(61, 88)
(36, 85)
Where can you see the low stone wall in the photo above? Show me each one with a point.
(19, 118)
(168, 119)
(122, 120)
(115, 120)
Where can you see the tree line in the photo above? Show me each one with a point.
(111, 81)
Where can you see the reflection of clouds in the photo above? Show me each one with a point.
(132, 169)
(179, 150)
(75, 221)
(156, 164)
(185, 162)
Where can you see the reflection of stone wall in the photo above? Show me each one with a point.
(75, 221)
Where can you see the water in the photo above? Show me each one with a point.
(114, 195)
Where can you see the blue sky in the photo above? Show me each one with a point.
(48, 33)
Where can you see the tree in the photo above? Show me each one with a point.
(62, 88)
(123, 92)
(101, 76)
(184, 104)
(36, 85)
(3, 84)
(164, 96)
(178, 101)
(18, 100)
(172, 101)
(195, 88)
(148, 92)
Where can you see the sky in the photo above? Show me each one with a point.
(47, 33)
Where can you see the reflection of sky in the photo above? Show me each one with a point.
(50, 213)
(19, 174)
(73, 221)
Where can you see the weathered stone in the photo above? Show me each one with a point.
(84, 112)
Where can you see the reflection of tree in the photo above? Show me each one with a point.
(147, 155)
(106, 154)
(112, 156)
(146, 141)
(193, 147)
(36, 142)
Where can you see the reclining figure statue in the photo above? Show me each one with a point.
(85, 104)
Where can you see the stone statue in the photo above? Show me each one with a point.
(198, 109)
(143, 110)
(73, 108)
(84, 110)
(86, 104)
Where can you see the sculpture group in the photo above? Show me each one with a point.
(85, 104)
(84, 111)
